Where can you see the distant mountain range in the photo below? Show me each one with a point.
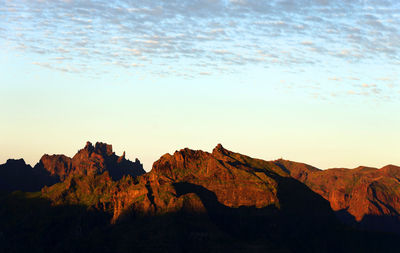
(195, 201)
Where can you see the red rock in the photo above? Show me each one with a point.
(362, 192)
(57, 165)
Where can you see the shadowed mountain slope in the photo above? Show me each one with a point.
(365, 193)
(17, 175)
(30, 223)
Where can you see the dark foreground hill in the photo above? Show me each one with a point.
(191, 201)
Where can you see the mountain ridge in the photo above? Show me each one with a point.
(56, 168)
(232, 194)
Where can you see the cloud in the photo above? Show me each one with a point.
(230, 34)
(307, 43)
(365, 85)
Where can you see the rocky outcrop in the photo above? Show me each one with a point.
(91, 160)
(97, 159)
(223, 185)
(91, 177)
(235, 182)
(51, 169)
(364, 193)
(58, 166)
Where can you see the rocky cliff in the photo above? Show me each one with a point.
(364, 195)
(89, 161)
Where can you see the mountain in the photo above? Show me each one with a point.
(235, 180)
(16, 175)
(190, 201)
(213, 199)
(89, 161)
(364, 196)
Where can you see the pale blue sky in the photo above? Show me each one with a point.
(313, 81)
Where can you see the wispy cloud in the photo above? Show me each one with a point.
(226, 33)
(366, 85)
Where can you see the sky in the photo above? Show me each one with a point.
(314, 81)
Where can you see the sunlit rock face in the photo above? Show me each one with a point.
(57, 165)
(188, 180)
(217, 184)
(97, 159)
(98, 178)
(91, 177)
(234, 181)
(364, 193)
(51, 169)
(91, 160)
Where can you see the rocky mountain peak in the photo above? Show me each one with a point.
(99, 148)
(219, 149)
(89, 145)
(16, 162)
(103, 148)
